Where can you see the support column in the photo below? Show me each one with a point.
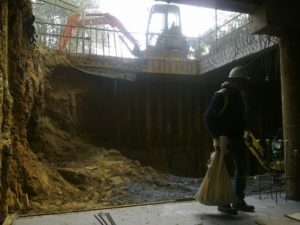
(290, 85)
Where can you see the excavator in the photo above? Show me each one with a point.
(164, 38)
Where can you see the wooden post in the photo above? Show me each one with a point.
(290, 86)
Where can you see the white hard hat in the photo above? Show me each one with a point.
(238, 72)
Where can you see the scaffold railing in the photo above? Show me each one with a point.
(232, 40)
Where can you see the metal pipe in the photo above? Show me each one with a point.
(50, 3)
(67, 3)
(100, 216)
(98, 219)
(110, 218)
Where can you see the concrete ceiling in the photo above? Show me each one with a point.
(244, 6)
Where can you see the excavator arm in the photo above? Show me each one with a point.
(68, 30)
(98, 19)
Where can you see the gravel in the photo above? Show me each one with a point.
(180, 188)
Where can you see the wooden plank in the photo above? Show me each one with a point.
(294, 216)
(278, 221)
(245, 6)
(9, 219)
(139, 65)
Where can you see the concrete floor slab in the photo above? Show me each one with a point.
(177, 213)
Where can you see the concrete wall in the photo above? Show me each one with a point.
(274, 17)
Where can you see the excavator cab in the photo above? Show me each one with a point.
(164, 32)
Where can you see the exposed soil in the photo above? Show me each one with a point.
(89, 177)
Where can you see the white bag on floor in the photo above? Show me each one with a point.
(216, 188)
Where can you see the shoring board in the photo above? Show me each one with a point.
(278, 221)
(294, 216)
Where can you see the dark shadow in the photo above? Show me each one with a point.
(220, 217)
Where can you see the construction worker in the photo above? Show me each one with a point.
(226, 122)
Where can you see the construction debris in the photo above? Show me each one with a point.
(278, 221)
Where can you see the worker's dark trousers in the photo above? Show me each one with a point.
(236, 161)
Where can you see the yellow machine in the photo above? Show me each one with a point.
(164, 38)
(257, 150)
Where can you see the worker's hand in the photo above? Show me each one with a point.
(224, 141)
(216, 144)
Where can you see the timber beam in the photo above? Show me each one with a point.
(243, 6)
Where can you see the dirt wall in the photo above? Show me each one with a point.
(21, 93)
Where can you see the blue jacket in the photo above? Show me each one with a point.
(226, 114)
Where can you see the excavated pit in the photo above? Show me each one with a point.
(94, 141)
(80, 141)
(116, 142)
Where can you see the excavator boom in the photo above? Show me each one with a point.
(97, 19)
